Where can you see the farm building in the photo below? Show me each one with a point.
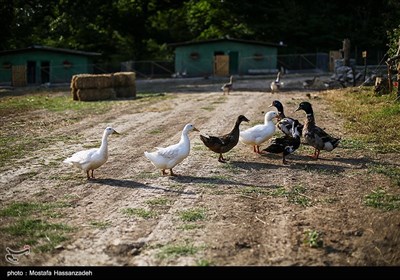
(224, 57)
(40, 64)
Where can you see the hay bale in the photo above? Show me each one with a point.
(90, 81)
(91, 94)
(125, 92)
(124, 79)
(74, 93)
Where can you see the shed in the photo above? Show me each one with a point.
(41, 64)
(224, 57)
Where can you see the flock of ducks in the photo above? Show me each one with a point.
(167, 158)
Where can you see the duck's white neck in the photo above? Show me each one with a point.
(104, 144)
(266, 120)
(184, 136)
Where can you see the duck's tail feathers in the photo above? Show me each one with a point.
(336, 142)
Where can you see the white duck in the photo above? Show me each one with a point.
(260, 133)
(169, 157)
(89, 160)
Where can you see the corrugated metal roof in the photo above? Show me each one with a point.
(50, 49)
(226, 39)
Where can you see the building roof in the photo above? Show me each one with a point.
(227, 39)
(50, 49)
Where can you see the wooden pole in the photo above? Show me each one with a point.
(346, 52)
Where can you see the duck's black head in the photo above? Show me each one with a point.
(306, 107)
(277, 104)
(242, 118)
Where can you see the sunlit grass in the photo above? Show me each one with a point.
(380, 199)
(371, 121)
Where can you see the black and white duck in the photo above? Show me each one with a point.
(286, 144)
(276, 85)
(314, 135)
(284, 123)
(227, 87)
(224, 143)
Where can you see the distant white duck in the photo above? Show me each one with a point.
(276, 85)
(89, 160)
(226, 88)
(169, 157)
(260, 133)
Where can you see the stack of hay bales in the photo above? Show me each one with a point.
(90, 87)
(124, 84)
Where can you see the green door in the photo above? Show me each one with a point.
(233, 63)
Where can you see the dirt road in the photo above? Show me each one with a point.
(251, 211)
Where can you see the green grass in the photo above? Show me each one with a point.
(52, 102)
(24, 209)
(254, 191)
(28, 223)
(382, 200)
(155, 131)
(178, 250)
(208, 108)
(100, 224)
(160, 201)
(38, 232)
(190, 227)
(370, 120)
(139, 212)
(193, 215)
(313, 239)
(296, 195)
(390, 171)
(203, 263)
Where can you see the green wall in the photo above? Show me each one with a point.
(57, 71)
(242, 57)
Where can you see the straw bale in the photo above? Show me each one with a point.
(95, 94)
(74, 93)
(125, 92)
(87, 81)
(124, 79)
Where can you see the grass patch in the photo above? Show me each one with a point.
(155, 131)
(38, 232)
(160, 201)
(295, 195)
(369, 118)
(203, 263)
(100, 224)
(190, 227)
(28, 225)
(208, 108)
(24, 209)
(173, 251)
(52, 102)
(139, 212)
(313, 239)
(392, 172)
(382, 200)
(253, 191)
(193, 215)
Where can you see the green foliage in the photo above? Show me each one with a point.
(125, 30)
(28, 223)
(174, 251)
(139, 212)
(313, 239)
(382, 200)
(370, 119)
(193, 215)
